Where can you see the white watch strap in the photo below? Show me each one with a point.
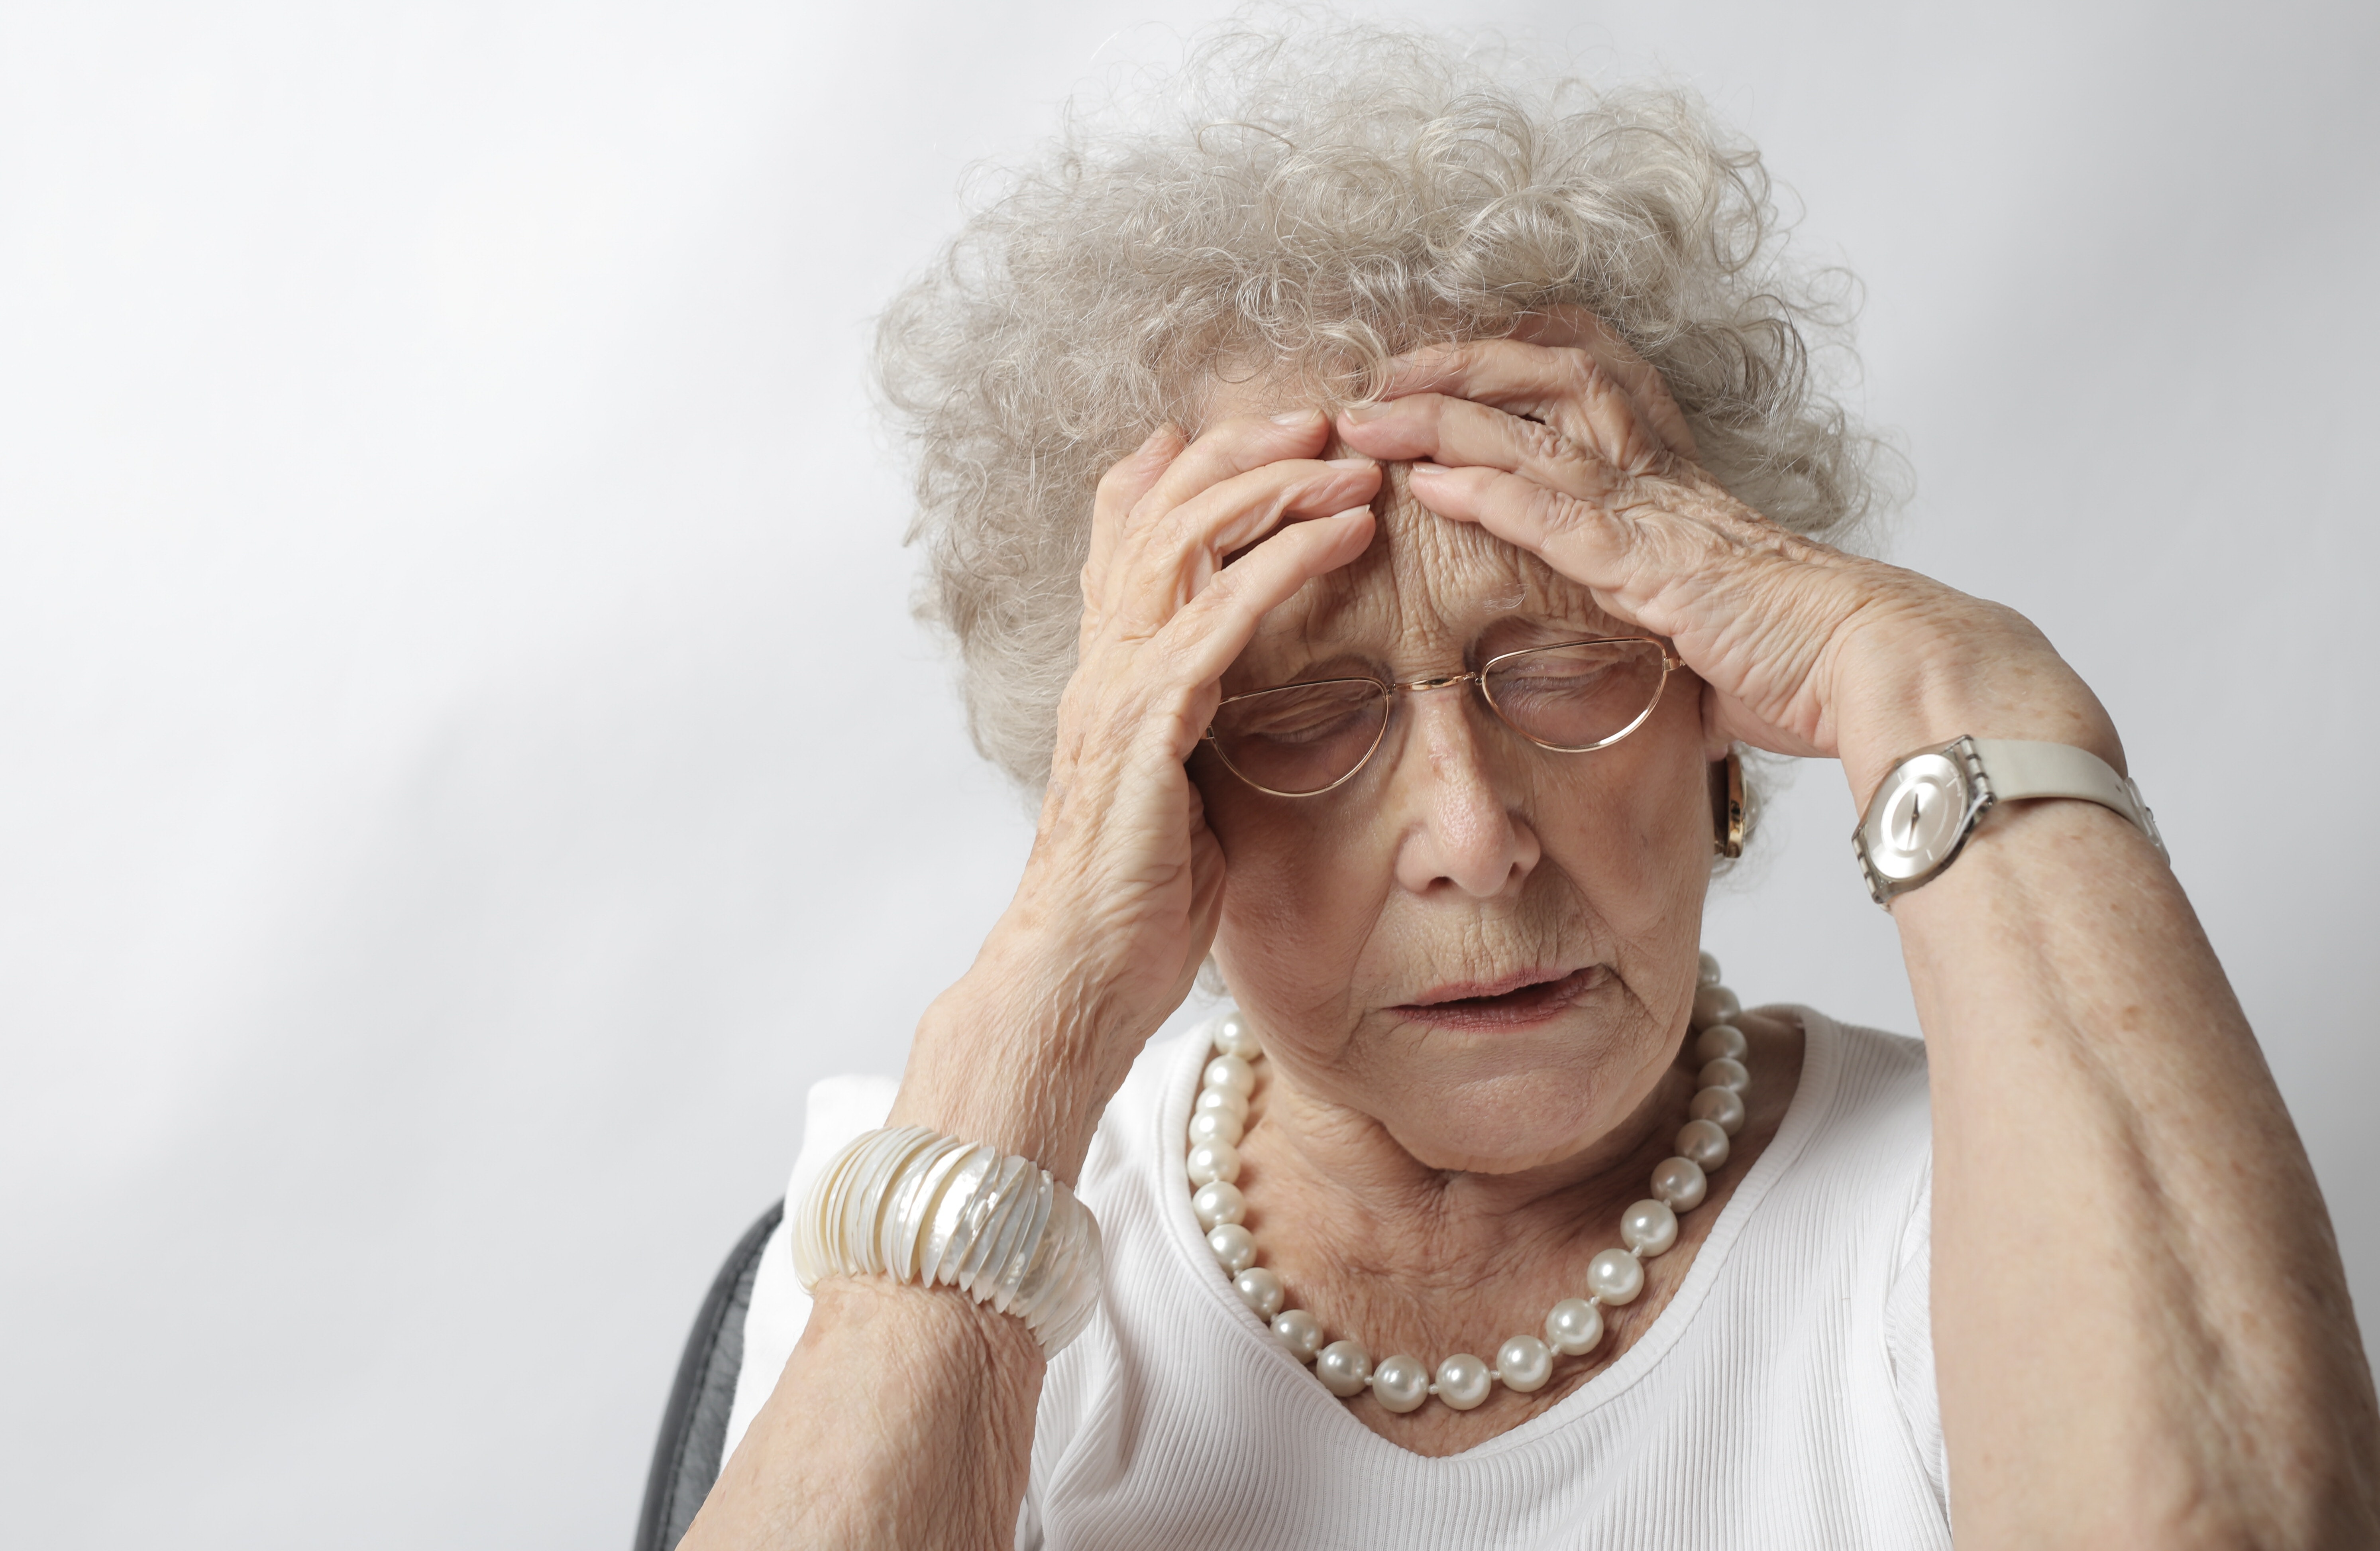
(2019, 770)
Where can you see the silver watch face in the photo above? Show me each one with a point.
(1916, 817)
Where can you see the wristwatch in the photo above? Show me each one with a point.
(1921, 816)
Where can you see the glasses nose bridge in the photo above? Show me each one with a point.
(1441, 681)
(1404, 687)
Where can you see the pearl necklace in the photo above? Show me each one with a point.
(1573, 1326)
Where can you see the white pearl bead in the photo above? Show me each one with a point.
(1210, 1161)
(1231, 1073)
(1721, 1040)
(1704, 1143)
(1235, 1247)
(1707, 972)
(1525, 1364)
(1299, 1332)
(1681, 1183)
(1726, 1072)
(1260, 1290)
(1219, 1098)
(1721, 1108)
(1216, 1125)
(1614, 1277)
(1218, 1203)
(1715, 1004)
(1574, 1326)
(1344, 1368)
(1649, 1228)
(1401, 1384)
(1463, 1381)
(1233, 1037)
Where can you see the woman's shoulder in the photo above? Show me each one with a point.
(1849, 1067)
(1859, 1128)
(1857, 1146)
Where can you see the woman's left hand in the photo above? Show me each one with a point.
(1575, 451)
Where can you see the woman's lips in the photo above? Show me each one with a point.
(1515, 1002)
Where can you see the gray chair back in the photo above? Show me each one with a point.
(693, 1427)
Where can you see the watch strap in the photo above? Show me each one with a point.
(2017, 769)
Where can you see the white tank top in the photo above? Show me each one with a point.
(1784, 1397)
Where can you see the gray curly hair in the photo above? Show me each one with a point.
(1311, 201)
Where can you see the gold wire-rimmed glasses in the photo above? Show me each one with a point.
(1574, 698)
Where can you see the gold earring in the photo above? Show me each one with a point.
(1726, 805)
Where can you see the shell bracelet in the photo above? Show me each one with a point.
(1573, 1326)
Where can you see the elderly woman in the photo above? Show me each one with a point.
(1377, 508)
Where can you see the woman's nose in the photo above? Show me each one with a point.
(1461, 830)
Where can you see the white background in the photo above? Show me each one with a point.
(466, 766)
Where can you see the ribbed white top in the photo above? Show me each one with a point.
(1784, 1397)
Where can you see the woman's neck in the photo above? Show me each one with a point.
(1381, 1247)
(1341, 1180)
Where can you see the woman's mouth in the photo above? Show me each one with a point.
(1515, 1002)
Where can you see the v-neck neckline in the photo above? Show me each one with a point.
(1814, 1090)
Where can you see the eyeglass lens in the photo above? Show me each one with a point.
(1303, 739)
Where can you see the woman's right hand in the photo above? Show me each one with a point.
(1122, 891)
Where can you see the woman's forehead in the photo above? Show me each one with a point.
(1425, 591)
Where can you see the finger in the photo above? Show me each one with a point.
(1621, 406)
(1458, 432)
(1566, 389)
(1120, 489)
(1163, 563)
(1207, 634)
(1593, 543)
(1491, 365)
(1230, 447)
(1577, 327)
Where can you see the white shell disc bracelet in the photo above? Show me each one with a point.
(918, 1206)
(1573, 1327)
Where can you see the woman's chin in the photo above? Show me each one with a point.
(1460, 1155)
(1475, 1130)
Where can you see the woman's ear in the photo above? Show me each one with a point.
(1716, 745)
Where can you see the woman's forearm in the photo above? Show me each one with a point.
(904, 1419)
(2142, 1327)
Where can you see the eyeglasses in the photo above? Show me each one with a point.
(1303, 739)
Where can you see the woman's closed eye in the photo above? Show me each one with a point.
(1304, 714)
(1556, 680)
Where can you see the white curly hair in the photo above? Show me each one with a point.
(1308, 201)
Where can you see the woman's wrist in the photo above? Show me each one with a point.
(1016, 1056)
(1980, 670)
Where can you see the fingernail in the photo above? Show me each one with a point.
(1292, 416)
(1362, 412)
(1428, 469)
(1354, 463)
